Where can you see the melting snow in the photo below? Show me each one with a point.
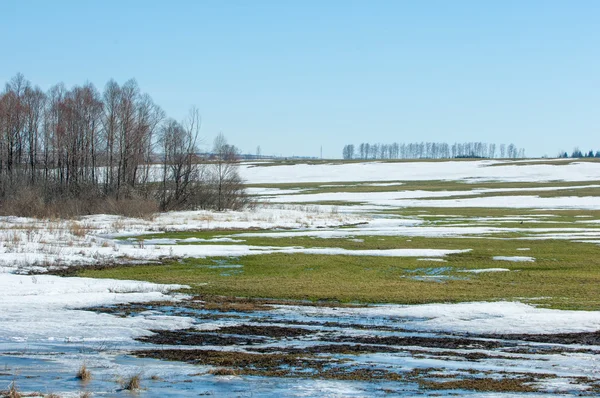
(514, 258)
(479, 271)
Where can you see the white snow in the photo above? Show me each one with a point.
(424, 199)
(514, 202)
(40, 308)
(514, 258)
(383, 184)
(245, 250)
(483, 270)
(273, 191)
(476, 317)
(416, 171)
(27, 243)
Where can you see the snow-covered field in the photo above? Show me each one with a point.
(45, 335)
(472, 171)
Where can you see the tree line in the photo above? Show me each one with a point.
(577, 153)
(431, 150)
(116, 145)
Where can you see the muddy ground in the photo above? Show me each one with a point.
(237, 337)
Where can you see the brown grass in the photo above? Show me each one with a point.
(133, 382)
(29, 202)
(137, 207)
(84, 373)
(12, 392)
(223, 372)
(77, 229)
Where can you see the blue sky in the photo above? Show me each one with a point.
(292, 76)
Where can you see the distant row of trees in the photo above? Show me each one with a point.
(80, 143)
(577, 153)
(431, 150)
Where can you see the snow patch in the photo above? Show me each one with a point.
(483, 270)
(43, 308)
(514, 258)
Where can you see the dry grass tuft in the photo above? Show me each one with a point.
(15, 237)
(83, 373)
(118, 225)
(12, 392)
(78, 229)
(223, 372)
(133, 382)
(135, 207)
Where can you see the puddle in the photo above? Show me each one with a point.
(225, 264)
(433, 274)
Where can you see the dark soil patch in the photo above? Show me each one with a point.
(245, 304)
(342, 325)
(360, 374)
(225, 336)
(244, 361)
(483, 384)
(208, 303)
(469, 356)
(548, 350)
(233, 306)
(430, 342)
(267, 331)
(125, 310)
(195, 337)
(344, 349)
(271, 365)
(590, 338)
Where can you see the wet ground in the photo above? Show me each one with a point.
(240, 347)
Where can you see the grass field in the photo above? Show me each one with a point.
(563, 271)
(564, 274)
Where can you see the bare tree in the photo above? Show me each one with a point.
(181, 171)
(225, 178)
(78, 145)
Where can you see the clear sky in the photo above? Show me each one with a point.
(292, 76)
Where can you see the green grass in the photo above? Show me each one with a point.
(565, 275)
